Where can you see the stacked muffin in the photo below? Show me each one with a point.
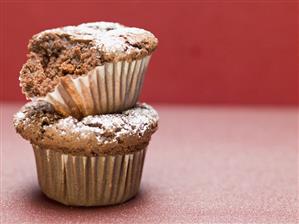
(87, 130)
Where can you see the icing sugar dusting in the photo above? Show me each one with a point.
(38, 123)
(20, 115)
(109, 127)
(107, 36)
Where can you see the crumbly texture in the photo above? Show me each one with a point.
(108, 134)
(75, 50)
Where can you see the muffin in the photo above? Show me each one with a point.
(92, 68)
(94, 161)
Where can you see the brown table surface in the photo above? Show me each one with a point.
(204, 165)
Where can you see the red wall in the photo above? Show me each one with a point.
(226, 52)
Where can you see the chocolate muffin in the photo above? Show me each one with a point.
(92, 68)
(97, 160)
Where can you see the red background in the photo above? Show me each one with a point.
(210, 52)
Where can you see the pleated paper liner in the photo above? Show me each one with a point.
(110, 88)
(89, 181)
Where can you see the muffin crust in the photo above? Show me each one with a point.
(108, 134)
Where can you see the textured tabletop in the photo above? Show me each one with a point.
(204, 165)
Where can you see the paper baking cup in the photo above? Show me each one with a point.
(110, 88)
(88, 181)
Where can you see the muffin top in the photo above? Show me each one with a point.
(76, 50)
(107, 134)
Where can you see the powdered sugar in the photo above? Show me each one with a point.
(108, 37)
(105, 128)
(109, 133)
(131, 122)
(20, 115)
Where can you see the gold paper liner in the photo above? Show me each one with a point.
(89, 181)
(109, 88)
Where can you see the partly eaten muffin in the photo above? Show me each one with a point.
(76, 50)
